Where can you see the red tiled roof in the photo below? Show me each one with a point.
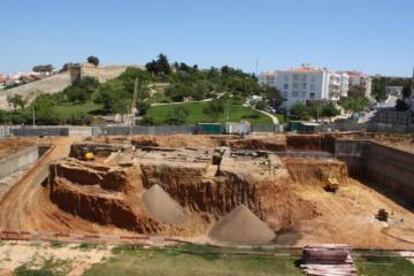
(306, 70)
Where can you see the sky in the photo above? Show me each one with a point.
(375, 36)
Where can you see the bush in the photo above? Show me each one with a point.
(401, 105)
(261, 105)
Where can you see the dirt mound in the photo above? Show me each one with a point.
(161, 207)
(242, 227)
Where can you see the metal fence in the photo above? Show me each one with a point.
(4, 132)
(266, 128)
(149, 130)
(40, 131)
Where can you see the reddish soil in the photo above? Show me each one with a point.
(12, 145)
(106, 196)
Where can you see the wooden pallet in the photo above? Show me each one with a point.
(318, 265)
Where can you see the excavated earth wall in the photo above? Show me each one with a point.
(317, 171)
(268, 198)
(387, 167)
(99, 194)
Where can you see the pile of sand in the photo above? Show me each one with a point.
(241, 227)
(161, 207)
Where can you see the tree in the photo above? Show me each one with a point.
(16, 101)
(401, 105)
(329, 110)
(406, 92)
(160, 66)
(346, 103)
(178, 115)
(315, 109)
(274, 96)
(81, 91)
(45, 113)
(356, 91)
(379, 84)
(110, 96)
(93, 60)
(214, 109)
(300, 111)
(44, 68)
(353, 105)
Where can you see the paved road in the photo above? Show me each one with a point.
(389, 103)
(274, 118)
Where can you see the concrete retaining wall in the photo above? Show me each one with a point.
(17, 161)
(379, 165)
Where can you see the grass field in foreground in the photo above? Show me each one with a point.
(127, 261)
(384, 266)
(172, 262)
(237, 113)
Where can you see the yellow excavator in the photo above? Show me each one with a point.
(88, 154)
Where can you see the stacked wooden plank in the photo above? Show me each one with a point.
(328, 259)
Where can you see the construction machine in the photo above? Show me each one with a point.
(88, 154)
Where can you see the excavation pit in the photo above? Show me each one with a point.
(206, 177)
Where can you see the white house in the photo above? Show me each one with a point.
(306, 84)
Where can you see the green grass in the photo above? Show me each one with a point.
(386, 265)
(129, 261)
(237, 113)
(50, 267)
(67, 109)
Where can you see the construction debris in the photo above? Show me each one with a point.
(382, 215)
(328, 259)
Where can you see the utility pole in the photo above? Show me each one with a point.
(133, 107)
(228, 110)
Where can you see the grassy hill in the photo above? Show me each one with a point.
(57, 83)
(237, 113)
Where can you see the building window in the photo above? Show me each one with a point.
(286, 77)
(303, 94)
(312, 96)
(312, 78)
(286, 86)
(304, 85)
(312, 87)
(295, 94)
(295, 85)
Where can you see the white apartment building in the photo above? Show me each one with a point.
(360, 79)
(306, 84)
